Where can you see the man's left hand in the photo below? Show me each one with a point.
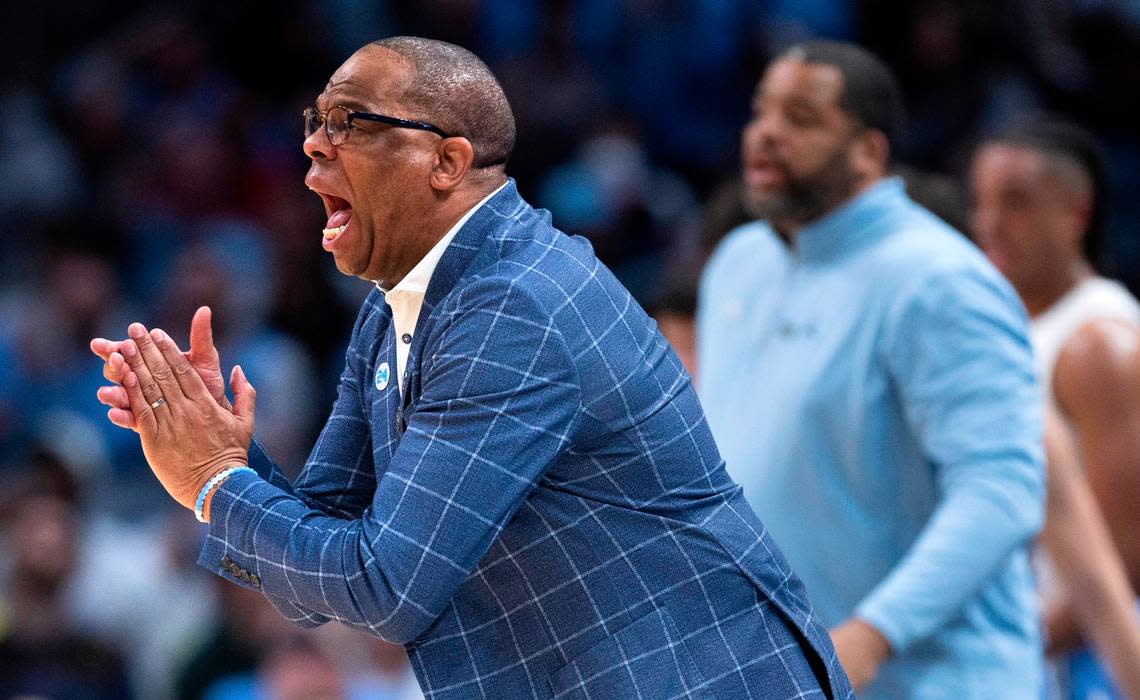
(186, 436)
(861, 649)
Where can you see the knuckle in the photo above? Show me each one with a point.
(161, 372)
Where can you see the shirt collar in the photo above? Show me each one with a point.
(853, 224)
(416, 281)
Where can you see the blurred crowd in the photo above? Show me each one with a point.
(150, 163)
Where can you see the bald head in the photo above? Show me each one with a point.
(455, 90)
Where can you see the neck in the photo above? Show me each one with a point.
(1043, 296)
(789, 225)
(459, 203)
(449, 208)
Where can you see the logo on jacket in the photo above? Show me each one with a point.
(383, 374)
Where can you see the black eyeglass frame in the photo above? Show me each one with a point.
(322, 117)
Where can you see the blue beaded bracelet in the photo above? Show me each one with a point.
(214, 481)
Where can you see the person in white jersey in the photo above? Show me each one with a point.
(1039, 193)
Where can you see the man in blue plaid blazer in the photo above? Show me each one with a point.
(517, 481)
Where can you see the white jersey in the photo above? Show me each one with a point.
(1093, 299)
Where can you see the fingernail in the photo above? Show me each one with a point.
(158, 336)
(136, 330)
(130, 379)
(129, 348)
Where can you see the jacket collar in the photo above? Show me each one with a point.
(469, 240)
(855, 224)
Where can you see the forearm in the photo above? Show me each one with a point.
(972, 533)
(321, 567)
(314, 493)
(1098, 592)
(1109, 621)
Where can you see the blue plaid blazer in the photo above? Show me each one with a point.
(543, 513)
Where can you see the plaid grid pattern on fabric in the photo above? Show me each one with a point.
(542, 513)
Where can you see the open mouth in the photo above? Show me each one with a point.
(339, 213)
(762, 172)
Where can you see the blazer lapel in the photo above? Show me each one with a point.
(384, 389)
(455, 262)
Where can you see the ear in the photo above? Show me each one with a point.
(453, 158)
(870, 154)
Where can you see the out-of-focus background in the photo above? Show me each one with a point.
(150, 162)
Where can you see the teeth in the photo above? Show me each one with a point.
(331, 233)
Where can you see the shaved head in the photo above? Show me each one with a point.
(455, 90)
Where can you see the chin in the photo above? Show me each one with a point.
(346, 268)
(761, 205)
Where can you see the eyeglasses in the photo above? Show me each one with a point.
(338, 123)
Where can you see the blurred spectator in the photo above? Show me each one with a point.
(631, 211)
(255, 653)
(302, 668)
(942, 194)
(245, 626)
(42, 652)
(75, 293)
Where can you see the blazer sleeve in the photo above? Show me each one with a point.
(499, 403)
(338, 478)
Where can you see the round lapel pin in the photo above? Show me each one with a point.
(383, 374)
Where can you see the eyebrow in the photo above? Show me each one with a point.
(804, 103)
(352, 103)
(346, 100)
(792, 101)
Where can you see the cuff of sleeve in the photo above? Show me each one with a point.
(878, 616)
(216, 554)
(229, 553)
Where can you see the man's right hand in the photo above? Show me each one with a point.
(203, 357)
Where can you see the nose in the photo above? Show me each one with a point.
(317, 145)
(759, 131)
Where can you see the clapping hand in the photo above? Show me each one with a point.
(176, 403)
(202, 356)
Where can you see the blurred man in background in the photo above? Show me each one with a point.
(868, 378)
(43, 652)
(1040, 195)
